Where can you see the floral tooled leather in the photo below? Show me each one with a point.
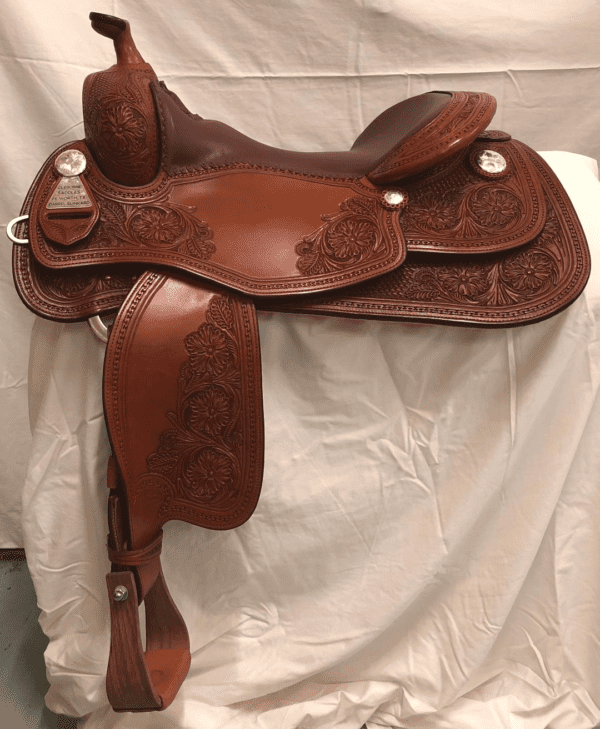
(347, 237)
(118, 112)
(160, 226)
(120, 123)
(516, 279)
(492, 240)
(458, 210)
(187, 434)
(225, 225)
(527, 284)
(451, 209)
(465, 117)
(200, 455)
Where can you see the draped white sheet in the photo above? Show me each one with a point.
(425, 551)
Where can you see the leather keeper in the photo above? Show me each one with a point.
(137, 557)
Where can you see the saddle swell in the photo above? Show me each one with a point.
(184, 226)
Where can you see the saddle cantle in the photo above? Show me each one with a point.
(184, 226)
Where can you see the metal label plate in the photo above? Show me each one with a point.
(70, 193)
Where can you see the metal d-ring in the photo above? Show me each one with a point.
(99, 328)
(96, 324)
(11, 235)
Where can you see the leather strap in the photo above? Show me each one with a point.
(139, 680)
(137, 557)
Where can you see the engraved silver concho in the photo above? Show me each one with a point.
(491, 162)
(70, 163)
(394, 199)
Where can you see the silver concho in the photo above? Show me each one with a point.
(70, 163)
(394, 198)
(491, 162)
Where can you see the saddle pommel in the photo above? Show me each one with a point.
(118, 110)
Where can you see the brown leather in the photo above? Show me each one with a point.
(459, 228)
(524, 285)
(183, 405)
(118, 111)
(188, 218)
(450, 131)
(238, 226)
(403, 140)
(66, 226)
(220, 224)
(138, 680)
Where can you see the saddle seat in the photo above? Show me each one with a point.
(401, 141)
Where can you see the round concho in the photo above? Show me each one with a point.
(70, 163)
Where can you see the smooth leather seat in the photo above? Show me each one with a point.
(402, 141)
(409, 137)
(194, 141)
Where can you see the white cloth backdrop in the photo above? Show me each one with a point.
(425, 552)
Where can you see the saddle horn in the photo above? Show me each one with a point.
(119, 115)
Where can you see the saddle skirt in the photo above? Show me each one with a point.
(184, 226)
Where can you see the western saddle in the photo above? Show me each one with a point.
(183, 227)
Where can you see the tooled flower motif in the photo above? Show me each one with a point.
(495, 208)
(459, 118)
(433, 214)
(356, 234)
(204, 458)
(350, 237)
(65, 286)
(209, 411)
(552, 228)
(464, 282)
(207, 347)
(156, 226)
(198, 247)
(209, 473)
(122, 128)
(161, 224)
(528, 271)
